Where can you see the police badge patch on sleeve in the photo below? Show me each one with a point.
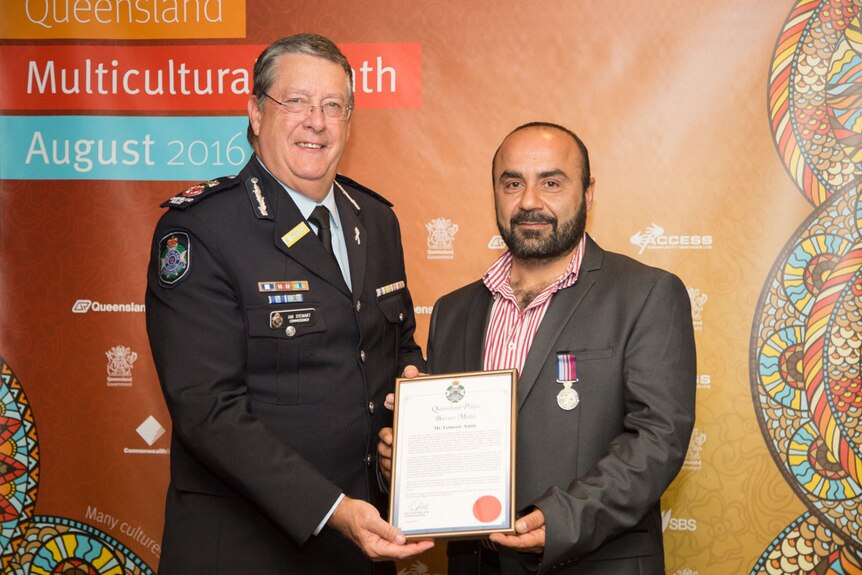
(175, 258)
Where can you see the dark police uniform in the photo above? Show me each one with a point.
(274, 373)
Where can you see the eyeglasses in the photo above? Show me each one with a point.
(332, 109)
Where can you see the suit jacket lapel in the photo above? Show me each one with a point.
(557, 317)
(349, 213)
(306, 250)
(478, 314)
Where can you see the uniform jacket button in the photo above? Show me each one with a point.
(290, 331)
(371, 407)
(362, 355)
(368, 460)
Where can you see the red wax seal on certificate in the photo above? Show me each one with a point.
(487, 508)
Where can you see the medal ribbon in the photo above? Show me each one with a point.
(567, 369)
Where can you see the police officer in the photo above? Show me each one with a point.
(278, 317)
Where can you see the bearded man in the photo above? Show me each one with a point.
(604, 347)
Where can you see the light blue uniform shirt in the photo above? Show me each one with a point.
(339, 247)
(306, 206)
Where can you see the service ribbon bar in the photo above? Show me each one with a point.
(298, 285)
(567, 368)
(382, 291)
(289, 298)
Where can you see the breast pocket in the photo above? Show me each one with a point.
(589, 354)
(393, 307)
(592, 367)
(394, 311)
(598, 388)
(281, 341)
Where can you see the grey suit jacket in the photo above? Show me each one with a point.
(597, 472)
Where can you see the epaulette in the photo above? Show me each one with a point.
(348, 182)
(200, 191)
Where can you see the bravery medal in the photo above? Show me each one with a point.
(567, 374)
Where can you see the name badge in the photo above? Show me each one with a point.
(293, 317)
(295, 234)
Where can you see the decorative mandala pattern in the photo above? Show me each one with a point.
(19, 461)
(57, 546)
(808, 62)
(807, 267)
(806, 367)
(44, 545)
(806, 345)
(781, 368)
(805, 546)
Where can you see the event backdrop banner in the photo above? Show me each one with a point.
(725, 138)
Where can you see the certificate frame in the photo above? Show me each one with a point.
(453, 455)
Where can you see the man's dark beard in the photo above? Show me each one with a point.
(525, 244)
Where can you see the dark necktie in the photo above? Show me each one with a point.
(320, 218)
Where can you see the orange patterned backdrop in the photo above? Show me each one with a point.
(725, 146)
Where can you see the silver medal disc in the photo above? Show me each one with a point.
(568, 398)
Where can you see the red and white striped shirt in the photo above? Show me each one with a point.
(510, 330)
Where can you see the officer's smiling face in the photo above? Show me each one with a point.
(302, 150)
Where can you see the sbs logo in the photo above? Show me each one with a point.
(668, 522)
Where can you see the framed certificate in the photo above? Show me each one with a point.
(453, 460)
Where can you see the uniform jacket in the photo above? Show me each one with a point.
(275, 406)
(597, 472)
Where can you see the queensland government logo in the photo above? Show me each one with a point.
(698, 300)
(654, 237)
(120, 360)
(441, 239)
(695, 446)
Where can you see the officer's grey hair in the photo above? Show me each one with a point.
(306, 44)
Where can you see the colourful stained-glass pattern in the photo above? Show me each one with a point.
(806, 344)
